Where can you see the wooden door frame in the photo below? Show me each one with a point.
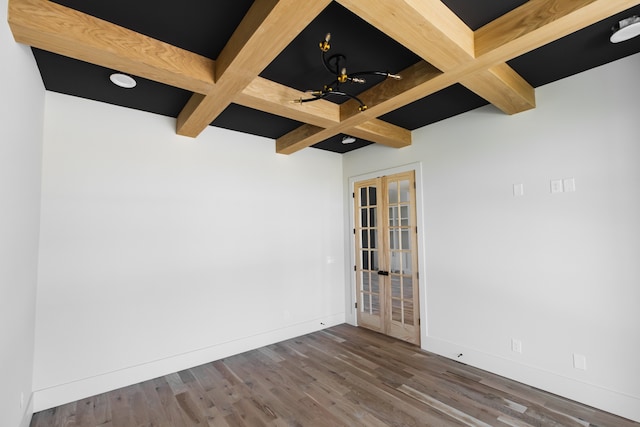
(351, 314)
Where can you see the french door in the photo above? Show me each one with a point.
(386, 256)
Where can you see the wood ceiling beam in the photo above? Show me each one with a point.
(49, 26)
(492, 48)
(539, 22)
(502, 87)
(426, 27)
(391, 94)
(275, 98)
(381, 132)
(308, 135)
(271, 97)
(381, 99)
(432, 31)
(268, 27)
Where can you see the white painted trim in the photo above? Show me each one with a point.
(417, 168)
(612, 401)
(80, 389)
(28, 413)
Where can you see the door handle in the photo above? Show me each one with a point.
(383, 273)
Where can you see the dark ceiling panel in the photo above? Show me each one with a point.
(72, 77)
(247, 120)
(335, 144)
(441, 105)
(479, 13)
(576, 52)
(200, 26)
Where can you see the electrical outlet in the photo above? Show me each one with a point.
(516, 345)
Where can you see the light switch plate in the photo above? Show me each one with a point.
(556, 186)
(518, 190)
(569, 185)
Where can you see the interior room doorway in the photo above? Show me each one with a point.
(387, 256)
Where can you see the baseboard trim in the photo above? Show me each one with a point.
(76, 390)
(617, 403)
(28, 413)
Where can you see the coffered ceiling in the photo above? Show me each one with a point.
(240, 64)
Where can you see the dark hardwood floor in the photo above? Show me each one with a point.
(343, 376)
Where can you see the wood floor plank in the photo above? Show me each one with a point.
(84, 412)
(102, 409)
(463, 396)
(155, 411)
(168, 403)
(342, 376)
(139, 408)
(121, 410)
(350, 413)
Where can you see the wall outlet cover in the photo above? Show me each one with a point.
(516, 345)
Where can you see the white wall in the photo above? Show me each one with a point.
(21, 115)
(160, 252)
(560, 272)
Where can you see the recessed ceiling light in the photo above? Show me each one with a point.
(626, 29)
(348, 139)
(122, 80)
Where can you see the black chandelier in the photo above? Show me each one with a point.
(337, 66)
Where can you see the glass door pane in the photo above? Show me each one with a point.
(370, 301)
(400, 198)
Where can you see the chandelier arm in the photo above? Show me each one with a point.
(371, 73)
(341, 76)
(324, 95)
(316, 96)
(326, 64)
(300, 101)
(334, 85)
(347, 95)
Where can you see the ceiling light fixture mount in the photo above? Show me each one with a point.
(122, 80)
(626, 29)
(337, 65)
(348, 139)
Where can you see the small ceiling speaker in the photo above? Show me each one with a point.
(122, 80)
(348, 139)
(626, 29)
